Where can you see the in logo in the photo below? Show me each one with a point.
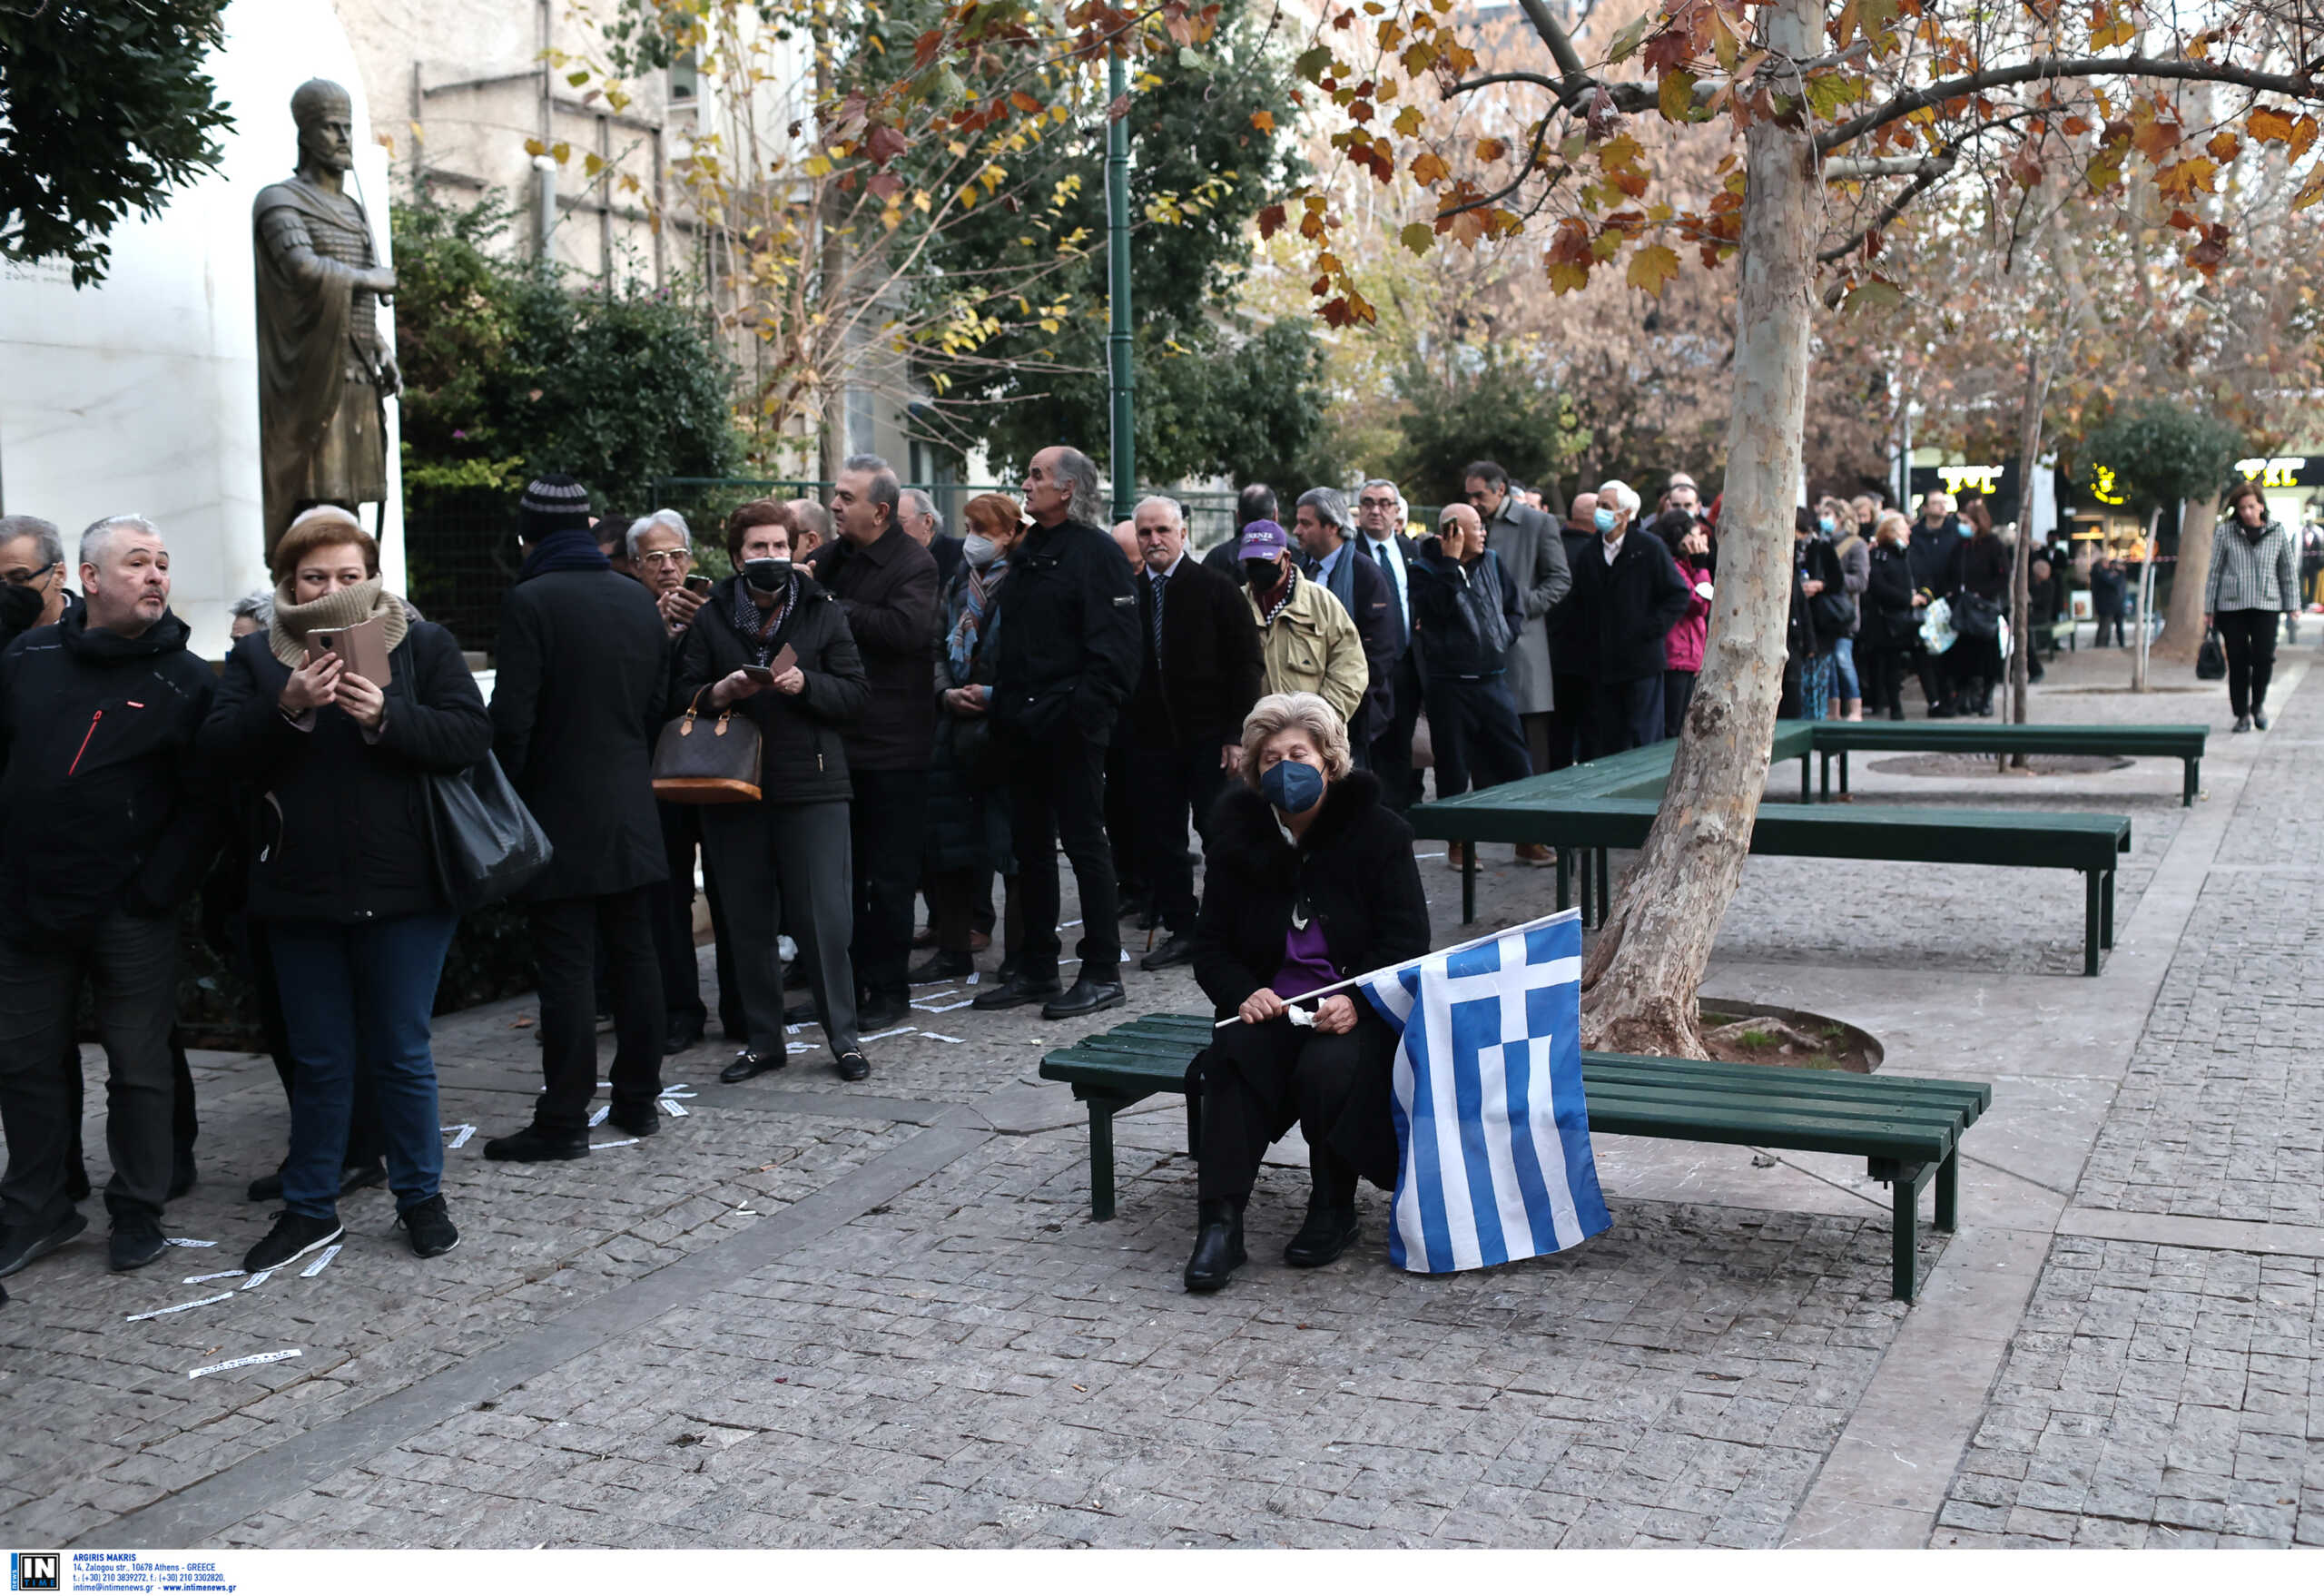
(35, 1571)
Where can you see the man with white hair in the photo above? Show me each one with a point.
(1380, 536)
(1629, 596)
(923, 523)
(98, 716)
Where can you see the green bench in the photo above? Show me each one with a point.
(1589, 810)
(1908, 1132)
(1835, 739)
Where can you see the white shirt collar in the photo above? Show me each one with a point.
(1613, 550)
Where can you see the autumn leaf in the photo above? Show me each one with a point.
(2223, 146)
(2270, 125)
(1677, 95)
(1263, 121)
(1652, 267)
(1429, 169)
(1491, 149)
(1312, 64)
(2183, 179)
(2309, 191)
(1270, 220)
(2303, 133)
(1408, 122)
(2155, 139)
(1418, 237)
(1625, 43)
(1874, 295)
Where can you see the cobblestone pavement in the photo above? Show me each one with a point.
(818, 1313)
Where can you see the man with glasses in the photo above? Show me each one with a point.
(32, 576)
(1380, 536)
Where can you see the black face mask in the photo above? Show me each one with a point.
(20, 608)
(767, 576)
(1262, 574)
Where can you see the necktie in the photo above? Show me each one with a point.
(1395, 599)
(1159, 578)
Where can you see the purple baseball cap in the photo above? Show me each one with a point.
(1263, 541)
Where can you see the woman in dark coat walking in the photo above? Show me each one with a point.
(342, 872)
(1309, 880)
(1892, 615)
(1974, 661)
(783, 863)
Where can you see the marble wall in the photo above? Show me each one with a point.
(141, 394)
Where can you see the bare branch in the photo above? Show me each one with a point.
(1926, 175)
(1561, 50)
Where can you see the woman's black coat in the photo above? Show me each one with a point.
(801, 758)
(1890, 618)
(1355, 869)
(1988, 564)
(341, 828)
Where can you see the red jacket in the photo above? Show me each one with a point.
(1683, 648)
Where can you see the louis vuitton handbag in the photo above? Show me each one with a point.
(702, 760)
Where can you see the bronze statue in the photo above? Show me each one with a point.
(322, 370)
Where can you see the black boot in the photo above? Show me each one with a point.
(1218, 1242)
(1330, 1228)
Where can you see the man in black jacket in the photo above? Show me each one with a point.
(1065, 661)
(1200, 675)
(1256, 502)
(886, 584)
(1630, 597)
(1327, 536)
(98, 715)
(584, 669)
(1573, 653)
(1468, 609)
(1380, 538)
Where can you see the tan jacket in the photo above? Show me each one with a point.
(1312, 646)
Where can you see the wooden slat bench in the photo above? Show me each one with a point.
(1611, 804)
(1835, 739)
(1907, 1131)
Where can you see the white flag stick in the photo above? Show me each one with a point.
(1357, 981)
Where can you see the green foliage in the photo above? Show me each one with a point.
(1215, 392)
(104, 109)
(2161, 453)
(1499, 411)
(511, 371)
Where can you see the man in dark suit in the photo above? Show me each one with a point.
(1185, 722)
(1573, 650)
(1380, 538)
(582, 671)
(1324, 530)
(1629, 597)
(886, 583)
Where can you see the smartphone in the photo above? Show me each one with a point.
(698, 583)
(759, 673)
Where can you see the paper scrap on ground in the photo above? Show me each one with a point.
(601, 1146)
(939, 1037)
(322, 1263)
(882, 1035)
(261, 1279)
(188, 1241)
(799, 1047)
(460, 1134)
(206, 1279)
(673, 1108)
(199, 1302)
(672, 1092)
(944, 1007)
(598, 1117)
(972, 979)
(256, 1357)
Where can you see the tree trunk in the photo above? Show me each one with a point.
(1639, 985)
(2021, 579)
(2182, 623)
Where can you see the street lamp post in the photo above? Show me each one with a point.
(1118, 344)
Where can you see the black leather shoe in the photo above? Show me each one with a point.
(939, 967)
(681, 1035)
(2260, 719)
(882, 1010)
(21, 1243)
(1218, 1243)
(636, 1121)
(1329, 1231)
(1178, 949)
(746, 1065)
(854, 1065)
(533, 1145)
(2243, 723)
(1088, 997)
(1017, 991)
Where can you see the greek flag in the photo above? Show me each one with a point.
(1496, 1163)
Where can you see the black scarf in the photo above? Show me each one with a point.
(2252, 535)
(572, 551)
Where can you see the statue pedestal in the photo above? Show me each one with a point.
(140, 395)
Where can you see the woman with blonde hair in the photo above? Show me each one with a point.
(1309, 880)
(1891, 621)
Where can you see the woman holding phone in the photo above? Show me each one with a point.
(770, 644)
(343, 867)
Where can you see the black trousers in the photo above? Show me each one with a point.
(1678, 692)
(1392, 750)
(1934, 683)
(1629, 714)
(132, 965)
(671, 903)
(2249, 638)
(567, 935)
(1573, 723)
(1472, 721)
(1167, 786)
(888, 826)
(1883, 668)
(1056, 792)
(2106, 623)
(1259, 1080)
(1121, 824)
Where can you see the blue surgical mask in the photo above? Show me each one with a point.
(1603, 520)
(1965, 530)
(1292, 787)
(1825, 522)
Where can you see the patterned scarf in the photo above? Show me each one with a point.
(1290, 587)
(760, 627)
(978, 590)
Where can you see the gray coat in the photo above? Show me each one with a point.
(2251, 573)
(1529, 544)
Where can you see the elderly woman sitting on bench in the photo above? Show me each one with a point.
(1309, 880)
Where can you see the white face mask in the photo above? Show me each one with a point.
(979, 551)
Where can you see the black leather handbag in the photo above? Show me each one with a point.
(2210, 659)
(1975, 617)
(486, 843)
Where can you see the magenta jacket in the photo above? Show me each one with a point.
(1683, 648)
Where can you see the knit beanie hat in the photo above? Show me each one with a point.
(552, 504)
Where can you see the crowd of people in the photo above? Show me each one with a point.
(936, 717)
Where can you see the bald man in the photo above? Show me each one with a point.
(1467, 609)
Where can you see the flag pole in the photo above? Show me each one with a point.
(1357, 981)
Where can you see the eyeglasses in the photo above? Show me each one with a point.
(667, 556)
(1376, 504)
(20, 577)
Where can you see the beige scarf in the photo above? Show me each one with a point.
(287, 634)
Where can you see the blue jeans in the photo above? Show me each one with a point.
(1843, 668)
(358, 997)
